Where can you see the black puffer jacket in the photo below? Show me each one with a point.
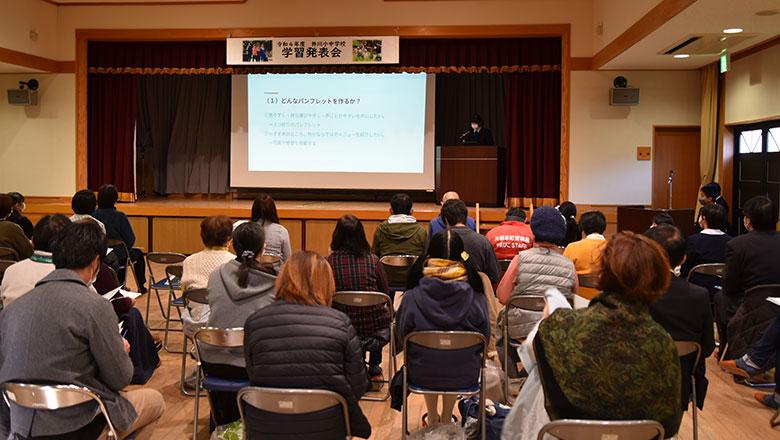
(294, 346)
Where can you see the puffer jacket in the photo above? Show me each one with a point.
(749, 323)
(289, 345)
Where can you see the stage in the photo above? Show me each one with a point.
(172, 224)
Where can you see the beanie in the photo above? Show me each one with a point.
(548, 225)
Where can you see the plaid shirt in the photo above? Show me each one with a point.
(361, 272)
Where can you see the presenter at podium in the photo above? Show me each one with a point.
(478, 134)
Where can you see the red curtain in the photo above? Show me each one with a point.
(533, 115)
(111, 111)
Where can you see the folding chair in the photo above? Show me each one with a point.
(371, 299)
(7, 253)
(571, 429)
(685, 348)
(218, 337)
(51, 397)
(273, 260)
(504, 264)
(397, 266)
(129, 266)
(168, 284)
(198, 296)
(715, 269)
(588, 289)
(775, 420)
(441, 340)
(291, 401)
(533, 303)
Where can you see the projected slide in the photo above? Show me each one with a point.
(342, 123)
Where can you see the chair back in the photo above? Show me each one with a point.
(684, 348)
(359, 298)
(166, 258)
(716, 269)
(446, 340)
(504, 264)
(269, 259)
(7, 253)
(398, 260)
(569, 429)
(199, 296)
(218, 337)
(588, 280)
(51, 397)
(533, 303)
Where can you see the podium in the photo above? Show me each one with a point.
(638, 219)
(476, 172)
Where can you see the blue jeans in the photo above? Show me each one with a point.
(768, 346)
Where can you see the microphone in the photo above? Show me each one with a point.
(465, 134)
(671, 175)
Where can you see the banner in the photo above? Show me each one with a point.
(317, 50)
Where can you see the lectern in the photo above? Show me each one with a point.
(476, 172)
(638, 219)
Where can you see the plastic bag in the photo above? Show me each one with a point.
(494, 382)
(230, 431)
(445, 431)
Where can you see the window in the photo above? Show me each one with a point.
(750, 141)
(773, 140)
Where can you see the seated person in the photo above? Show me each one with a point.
(74, 333)
(662, 218)
(586, 252)
(532, 272)
(277, 239)
(444, 293)
(481, 254)
(707, 246)
(355, 268)
(299, 341)
(684, 311)
(21, 277)
(17, 217)
(83, 205)
(438, 224)
(237, 289)
(512, 235)
(11, 235)
(572, 347)
(751, 259)
(118, 228)
(569, 212)
(400, 234)
(758, 360)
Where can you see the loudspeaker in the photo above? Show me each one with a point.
(624, 96)
(22, 97)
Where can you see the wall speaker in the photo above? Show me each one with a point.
(22, 97)
(624, 96)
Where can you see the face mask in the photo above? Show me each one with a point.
(703, 201)
(474, 126)
(94, 276)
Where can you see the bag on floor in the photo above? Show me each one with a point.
(230, 431)
(494, 422)
(445, 431)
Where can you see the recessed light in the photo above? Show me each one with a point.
(732, 30)
(682, 55)
(768, 13)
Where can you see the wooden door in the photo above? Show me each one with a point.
(676, 148)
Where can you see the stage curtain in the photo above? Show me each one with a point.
(533, 133)
(460, 96)
(111, 108)
(184, 122)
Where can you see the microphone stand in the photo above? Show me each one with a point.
(671, 184)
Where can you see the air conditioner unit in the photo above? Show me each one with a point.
(624, 96)
(22, 97)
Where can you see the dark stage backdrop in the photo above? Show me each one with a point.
(460, 95)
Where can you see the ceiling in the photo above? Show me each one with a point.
(703, 16)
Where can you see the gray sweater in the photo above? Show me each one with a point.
(232, 304)
(61, 332)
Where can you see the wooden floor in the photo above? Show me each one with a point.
(730, 412)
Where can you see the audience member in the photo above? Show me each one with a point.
(17, 217)
(532, 272)
(662, 218)
(299, 341)
(758, 360)
(11, 235)
(684, 311)
(710, 193)
(277, 239)
(751, 259)
(355, 268)
(438, 224)
(477, 246)
(641, 380)
(237, 289)
(444, 293)
(400, 234)
(21, 277)
(71, 337)
(83, 205)
(512, 235)
(586, 252)
(118, 227)
(569, 212)
(707, 246)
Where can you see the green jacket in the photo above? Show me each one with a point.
(610, 361)
(399, 239)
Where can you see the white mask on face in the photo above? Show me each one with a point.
(94, 276)
(474, 126)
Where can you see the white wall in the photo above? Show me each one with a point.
(602, 161)
(19, 17)
(753, 87)
(617, 16)
(38, 143)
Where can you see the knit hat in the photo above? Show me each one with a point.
(548, 225)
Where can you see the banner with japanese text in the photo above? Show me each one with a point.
(317, 50)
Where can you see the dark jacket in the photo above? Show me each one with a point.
(705, 249)
(12, 236)
(751, 259)
(23, 222)
(295, 346)
(481, 137)
(117, 225)
(685, 312)
(480, 251)
(435, 304)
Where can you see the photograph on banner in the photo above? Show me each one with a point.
(367, 50)
(257, 51)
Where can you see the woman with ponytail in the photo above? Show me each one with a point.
(569, 212)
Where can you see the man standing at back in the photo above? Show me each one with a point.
(438, 223)
(477, 246)
(512, 235)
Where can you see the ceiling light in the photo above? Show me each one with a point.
(768, 13)
(732, 30)
(682, 55)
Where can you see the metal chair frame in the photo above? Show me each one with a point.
(129, 266)
(444, 340)
(218, 337)
(357, 298)
(167, 259)
(716, 269)
(52, 397)
(573, 429)
(291, 401)
(198, 296)
(684, 348)
(534, 303)
(6, 252)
